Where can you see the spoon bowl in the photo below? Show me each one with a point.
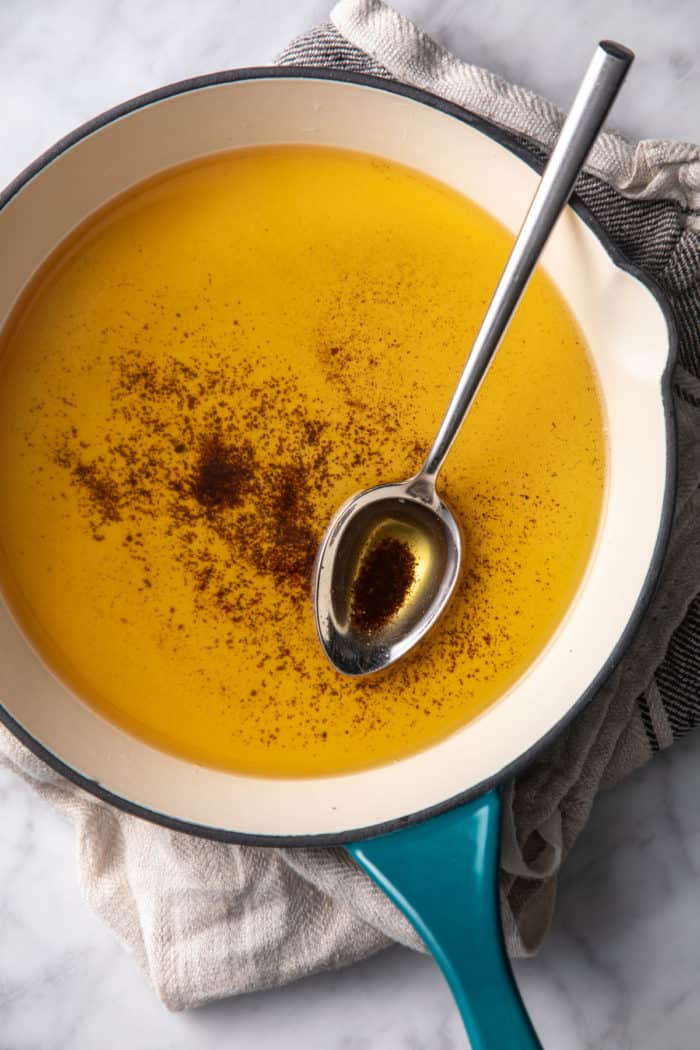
(404, 516)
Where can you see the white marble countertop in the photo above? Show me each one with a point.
(621, 967)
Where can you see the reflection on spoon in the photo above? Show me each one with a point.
(389, 561)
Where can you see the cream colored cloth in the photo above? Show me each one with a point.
(646, 170)
(206, 920)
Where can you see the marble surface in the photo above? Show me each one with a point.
(621, 968)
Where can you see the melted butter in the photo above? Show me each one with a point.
(303, 311)
(426, 569)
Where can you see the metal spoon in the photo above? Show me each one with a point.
(410, 512)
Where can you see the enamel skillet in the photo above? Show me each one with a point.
(425, 828)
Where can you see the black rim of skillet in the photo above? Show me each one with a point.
(509, 142)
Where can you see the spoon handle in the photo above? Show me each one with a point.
(594, 98)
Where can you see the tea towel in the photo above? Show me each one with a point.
(206, 920)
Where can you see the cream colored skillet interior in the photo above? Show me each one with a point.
(627, 333)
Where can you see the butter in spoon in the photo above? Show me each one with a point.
(390, 558)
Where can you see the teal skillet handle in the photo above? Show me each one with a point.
(443, 875)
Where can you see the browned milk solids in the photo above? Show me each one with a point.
(195, 383)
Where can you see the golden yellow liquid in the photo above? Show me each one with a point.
(305, 312)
